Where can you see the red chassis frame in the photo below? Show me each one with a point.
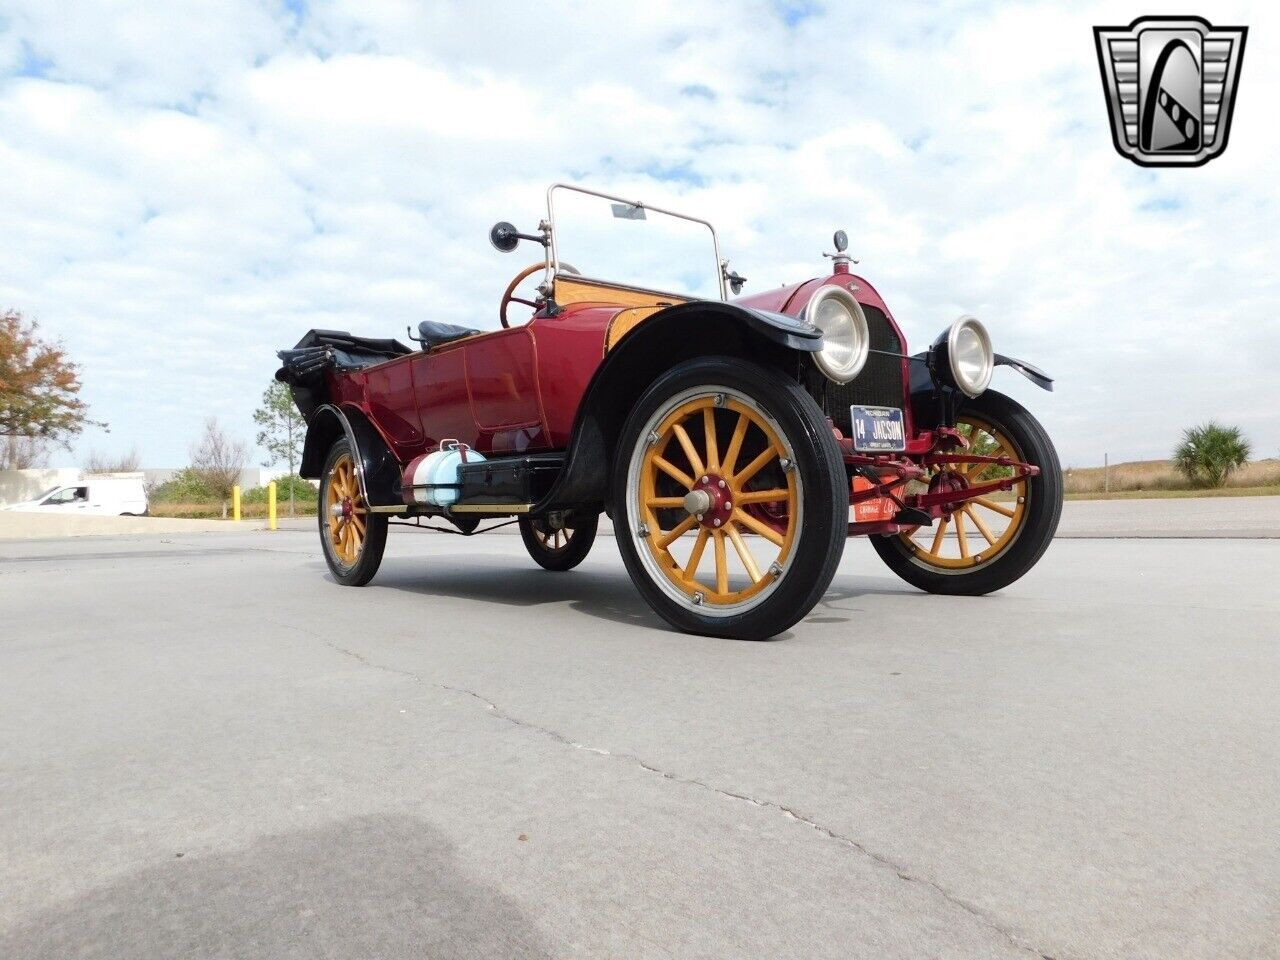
(936, 504)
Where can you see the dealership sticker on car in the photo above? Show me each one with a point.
(878, 429)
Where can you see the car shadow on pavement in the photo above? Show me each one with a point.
(834, 607)
(374, 886)
(606, 595)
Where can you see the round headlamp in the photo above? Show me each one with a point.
(969, 356)
(845, 337)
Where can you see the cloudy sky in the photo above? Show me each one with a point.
(188, 185)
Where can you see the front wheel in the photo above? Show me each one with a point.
(988, 542)
(352, 535)
(729, 499)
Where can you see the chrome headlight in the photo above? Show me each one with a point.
(969, 356)
(845, 338)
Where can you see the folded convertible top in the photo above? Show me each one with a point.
(320, 349)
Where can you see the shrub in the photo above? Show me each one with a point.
(1209, 453)
(185, 486)
(303, 490)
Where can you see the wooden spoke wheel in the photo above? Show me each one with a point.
(730, 495)
(987, 542)
(353, 536)
(347, 512)
(560, 543)
(979, 530)
(691, 498)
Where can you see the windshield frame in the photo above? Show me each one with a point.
(553, 254)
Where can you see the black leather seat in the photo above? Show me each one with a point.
(433, 334)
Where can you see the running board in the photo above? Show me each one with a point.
(496, 509)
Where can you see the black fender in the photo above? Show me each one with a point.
(783, 329)
(1034, 374)
(670, 336)
(377, 470)
(927, 390)
(922, 379)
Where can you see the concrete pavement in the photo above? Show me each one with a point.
(1218, 517)
(16, 525)
(212, 750)
(1175, 517)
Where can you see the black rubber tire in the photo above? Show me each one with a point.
(820, 540)
(584, 528)
(375, 538)
(1044, 507)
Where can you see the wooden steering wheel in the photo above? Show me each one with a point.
(509, 297)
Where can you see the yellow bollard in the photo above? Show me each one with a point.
(271, 505)
(235, 504)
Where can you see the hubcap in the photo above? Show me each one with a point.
(697, 502)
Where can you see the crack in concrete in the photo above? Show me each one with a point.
(900, 871)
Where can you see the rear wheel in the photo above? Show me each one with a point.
(352, 535)
(560, 547)
(988, 542)
(729, 499)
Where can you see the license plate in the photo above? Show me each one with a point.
(878, 429)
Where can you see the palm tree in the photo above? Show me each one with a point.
(1208, 453)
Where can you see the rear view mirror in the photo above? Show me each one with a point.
(628, 211)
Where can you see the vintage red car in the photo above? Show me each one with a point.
(734, 443)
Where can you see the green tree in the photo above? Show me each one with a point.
(283, 431)
(39, 394)
(1208, 453)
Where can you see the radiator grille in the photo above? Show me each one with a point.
(878, 385)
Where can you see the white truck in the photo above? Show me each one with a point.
(93, 496)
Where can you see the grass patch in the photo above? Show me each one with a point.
(1178, 494)
(213, 511)
(1158, 478)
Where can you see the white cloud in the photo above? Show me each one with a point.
(187, 187)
